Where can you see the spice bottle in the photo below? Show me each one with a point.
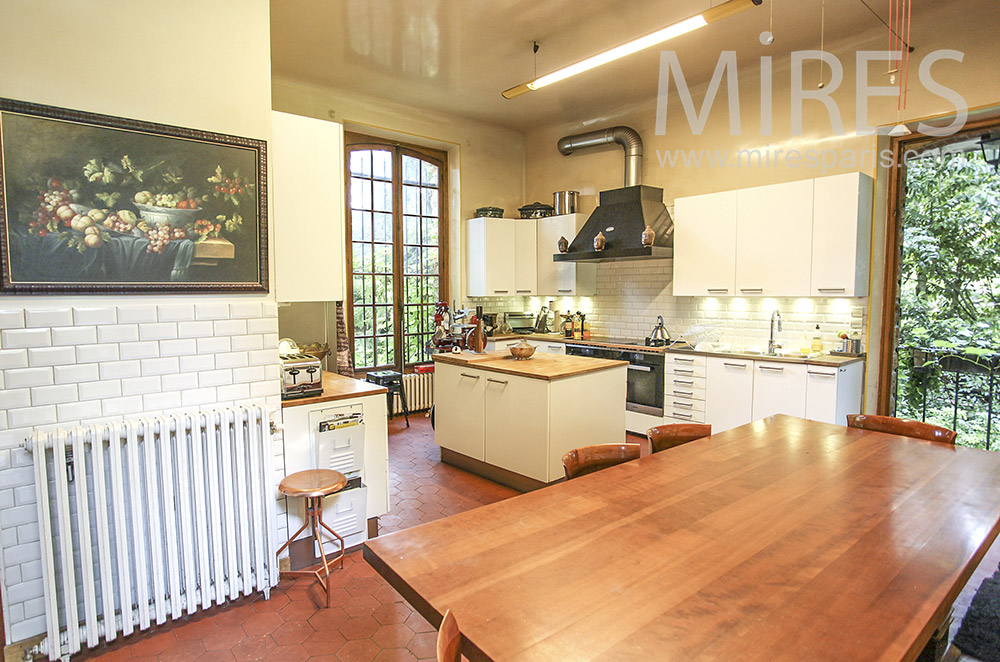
(817, 340)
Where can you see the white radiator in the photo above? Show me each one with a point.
(152, 519)
(419, 390)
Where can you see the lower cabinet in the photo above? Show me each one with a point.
(729, 392)
(833, 393)
(778, 388)
(517, 424)
(464, 426)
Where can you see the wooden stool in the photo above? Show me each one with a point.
(314, 484)
(393, 381)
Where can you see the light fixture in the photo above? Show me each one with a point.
(991, 150)
(652, 39)
(899, 131)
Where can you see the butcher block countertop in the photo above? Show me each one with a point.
(338, 387)
(539, 366)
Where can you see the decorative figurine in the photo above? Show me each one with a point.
(563, 245)
(599, 241)
(648, 237)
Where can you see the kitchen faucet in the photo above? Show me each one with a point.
(770, 341)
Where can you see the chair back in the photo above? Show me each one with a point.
(901, 426)
(663, 437)
(588, 459)
(449, 642)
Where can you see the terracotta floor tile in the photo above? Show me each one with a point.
(423, 644)
(293, 653)
(359, 650)
(265, 623)
(395, 655)
(393, 636)
(253, 648)
(224, 638)
(195, 629)
(277, 600)
(182, 651)
(360, 627)
(153, 645)
(215, 656)
(396, 612)
(324, 642)
(293, 632)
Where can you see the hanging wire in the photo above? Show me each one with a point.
(534, 50)
(822, 40)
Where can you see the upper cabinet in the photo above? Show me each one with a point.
(805, 238)
(307, 164)
(562, 278)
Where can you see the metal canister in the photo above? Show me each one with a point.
(565, 202)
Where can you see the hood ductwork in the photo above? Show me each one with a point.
(623, 213)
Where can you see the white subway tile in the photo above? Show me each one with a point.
(15, 397)
(269, 309)
(11, 319)
(28, 627)
(194, 329)
(13, 358)
(81, 372)
(140, 385)
(244, 343)
(7, 501)
(18, 338)
(12, 576)
(48, 317)
(214, 345)
(3, 420)
(181, 347)
(272, 371)
(32, 416)
(234, 392)
(110, 388)
(118, 333)
(24, 495)
(247, 375)
(161, 401)
(215, 378)
(34, 607)
(198, 396)
(31, 570)
(123, 405)
(231, 328)
(161, 331)
(96, 353)
(179, 382)
(270, 341)
(197, 362)
(120, 369)
(94, 316)
(4, 459)
(77, 411)
(26, 377)
(262, 389)
(232, 360)
(139, 350)
(263, 325)
(136, 314)
(74, 335)
(211, 311)
(44, 356)
(180, 312)
(163, 366)
(263, 357)
(244, 309)
(54, 395)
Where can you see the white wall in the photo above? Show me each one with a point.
(65, 359)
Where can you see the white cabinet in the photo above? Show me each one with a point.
(307, 163)
(501, 257)
(705, 245)
(562, 278)
(464, 426)
(684, 388)
(518, 443)
(729, 392)
(833, 393)
(779, 388)
(841, 244)
(774, 239)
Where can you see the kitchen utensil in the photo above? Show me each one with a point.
(658, 337)
(536, 210)
(287, 346)
(489, 212)
(504, 327)
(522, 350)
(542, 321)
(565, 202)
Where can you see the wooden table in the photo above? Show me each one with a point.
(784, 539)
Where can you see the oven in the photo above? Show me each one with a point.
(645, 375)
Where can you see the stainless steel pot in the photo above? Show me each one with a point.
(565, 202)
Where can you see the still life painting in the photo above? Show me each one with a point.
(98, 204)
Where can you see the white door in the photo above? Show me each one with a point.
(490, 266)
(778, 388)
(842, 212)
(459, 414)
(821, 395)
(774, 239)
(525, 257)
(729, 392)
(517, 424)
(561, 278)
(705, 245)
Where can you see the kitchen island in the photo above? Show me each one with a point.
(512, 421)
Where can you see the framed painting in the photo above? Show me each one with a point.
(97, 204)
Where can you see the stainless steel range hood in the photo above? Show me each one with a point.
(623, 213)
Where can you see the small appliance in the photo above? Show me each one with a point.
(301, 376)
(521, 322)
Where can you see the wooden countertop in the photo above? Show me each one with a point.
(780, 540)
(338, 387)
(539, 366)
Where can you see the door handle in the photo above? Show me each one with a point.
(686, 382)
(822, 374)
(677, 414)
(555, 346)
(768, 367)
(640, 368)
(734, 365)
(523, 291)
(678, 359)
(831, 289)
(500, 291)
(496, 381)
(682, 371)
(565, 291)
(684, 393)
(465, 374)
(683, 404)
(718, 290)
(752, 290)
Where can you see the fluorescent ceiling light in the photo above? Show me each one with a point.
(634, 46)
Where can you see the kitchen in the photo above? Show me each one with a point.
(493, 161)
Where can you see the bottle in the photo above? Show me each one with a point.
(817, 341)
(569, 324)
(578, 326)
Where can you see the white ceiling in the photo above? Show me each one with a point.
(456, 56)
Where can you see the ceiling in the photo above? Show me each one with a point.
(456, 56)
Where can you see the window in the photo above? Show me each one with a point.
(397, 240)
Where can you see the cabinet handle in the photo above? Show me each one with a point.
(511, 344)
(831, 289)
(555, 346)
(822, 374)
(677, 414)
(683, 404)
(686, 382)
(496, 381)
(565, 291)
(523, 291)
(500, 291)
(678, 359)
(752, 290)
(718, 290)
(465, 374)
(768, 367)
(684, 393)
(734, 365)
(640, 368)
(682, 371)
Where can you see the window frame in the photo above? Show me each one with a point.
(358, 142)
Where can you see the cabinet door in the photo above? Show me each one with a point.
(774, 239)
(821, 394)
(562, 278)
(842, 212)
(525, 258)
(705, 245)
(778, 388)
(307, 159)
(459, 414)
(490, 265)
(517, 424)
(728, 392)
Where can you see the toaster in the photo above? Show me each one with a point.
(301, 376)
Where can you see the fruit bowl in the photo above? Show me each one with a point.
(522, 351)
(175, 218)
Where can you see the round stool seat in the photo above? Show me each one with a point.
(312, 483)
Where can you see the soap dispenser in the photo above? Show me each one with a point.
(817, 340)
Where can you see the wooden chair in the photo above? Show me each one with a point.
(587, 460)
(449, 643)
(663, 437)
(901, 426)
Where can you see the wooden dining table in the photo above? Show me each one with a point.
(783, 539)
